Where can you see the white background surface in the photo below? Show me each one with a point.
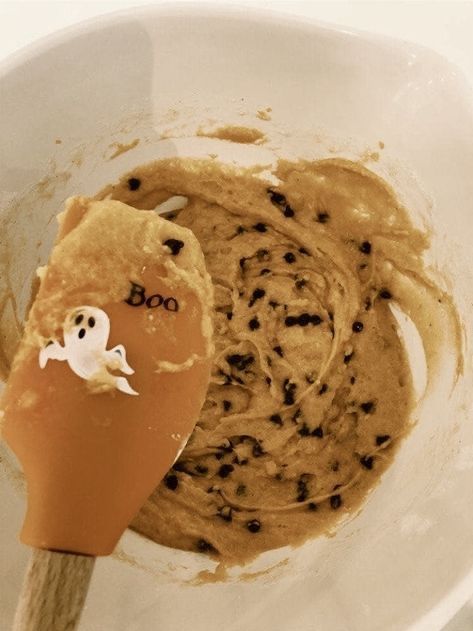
(446, 27)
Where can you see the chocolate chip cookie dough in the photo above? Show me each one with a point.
(311, 391)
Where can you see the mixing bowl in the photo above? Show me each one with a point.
(87, 104)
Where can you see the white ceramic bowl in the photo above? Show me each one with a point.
(407, 560)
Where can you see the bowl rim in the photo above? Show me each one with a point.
(457, 597)
(215, 9)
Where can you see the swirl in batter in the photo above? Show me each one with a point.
(311, 391)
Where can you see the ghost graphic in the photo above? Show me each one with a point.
(86, 332)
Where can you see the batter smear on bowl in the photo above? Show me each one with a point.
(311, 390)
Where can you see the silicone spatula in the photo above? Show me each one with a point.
(104, 391)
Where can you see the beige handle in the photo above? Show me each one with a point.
(54, 591)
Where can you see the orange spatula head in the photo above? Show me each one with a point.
(111, 372)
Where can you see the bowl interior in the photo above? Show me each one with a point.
(157, 74)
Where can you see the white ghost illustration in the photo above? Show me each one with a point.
(86, 332)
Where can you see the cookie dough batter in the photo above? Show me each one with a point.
(311, 391)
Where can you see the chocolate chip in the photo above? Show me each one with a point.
(134, 183)
(79, 319)
(323, 217)
(240, 230)
(291, 321)
(315, 319)
(219, 455)
(289, 398)
(260, 227)
(171, 482)
(227, 405)
(229, 315)
(318, 432)
(289, 390)
(352, 380)
(278, 350)
(289, 257)
(240, 362)
(253, 525)
(323, 389)
(381, 439)
(91, 322)
(279, 200)
(257, 450)
(385, 294)
(303, 319)
(257, 295)
(265, 271)
(301, 283)
(357, 326)
(179, 466)
(304, 251)
(368, 407)
(365, 247)
(347, 358)
(302, 490)
(276, 198)
(276, 419)
(241, 489)
(268, 380)
(336, 501)
(254, 324)
(175, 245)
(367, 462)
(312, 506)
(225, 512)
(304, 430)
(81, 333)
(202, 469)
(205, 546)
(225, 470)
(288, 211)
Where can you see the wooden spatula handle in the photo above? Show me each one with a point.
(54, 591)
